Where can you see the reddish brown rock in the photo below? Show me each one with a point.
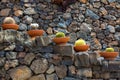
(5, 12)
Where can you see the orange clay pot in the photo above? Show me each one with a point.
(81, 48)
(61, 40)
(10, 26)
(34, 33)
(109, 55)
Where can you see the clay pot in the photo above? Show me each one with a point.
(34, 33)
(109, 55)
(81, 48)
(10, 26)
(61, 40)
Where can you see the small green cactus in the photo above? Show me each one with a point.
(60, 34)
(109, 50)
(80, 42)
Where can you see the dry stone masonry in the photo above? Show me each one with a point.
(96, 21)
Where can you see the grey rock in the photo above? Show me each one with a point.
(22, 27)
(117, 28)
(82, 59)
(82, 34)
(16, 19)
(42, 49)
(42, 41)
(111, 28)
(62, 25)
(66, 50)
(85, 72)
(38, 77)
(28, 58)
(30, 11)
(51, 77)
(11, 55)
(2, 61)
(11, 64)
(117, 36)
(67, 61)
(67, 15)
(19, 48)
(28, 19)
(61, 71)
(10, 47)
(110, 17)
(41, 67)
(20, 73)
(51, 69)
(81, 18)
(70, 78)
(85, 27)
(73, 37)
(110, 1)
(91, 14)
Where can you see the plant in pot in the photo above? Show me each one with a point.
(80, 45)
(60, 38)
(9, 23)
(35, 31)
(109, 54)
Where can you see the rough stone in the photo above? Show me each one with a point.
(51, 77)
(18, 13)
(67, 60)
(28, 58)
(92, 14)
(41, 67)
(11, 55)
(2, 61)
(111, 28)
(82, 59)
(43, 41)
(22, 26)
(66, 50)
(38, 77)
(30, 11)
(11, 64)
(5, 12)
(20, 73)
(85, 72)
(61, 71)
(51, 69)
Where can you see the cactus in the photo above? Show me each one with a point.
(60, 34)
(9, 20)
(80, 42)
(109, 50)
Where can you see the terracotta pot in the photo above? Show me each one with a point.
(61, 40)
(109, 55)
(10, 26)
(34, 33)
(81, 48)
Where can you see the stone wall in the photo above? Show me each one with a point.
(96, 21)
(22, 58)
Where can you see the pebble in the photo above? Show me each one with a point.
(20, 73)
(92, 14)
(41, 67)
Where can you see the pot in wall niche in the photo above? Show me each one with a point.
(10, 26)
(34, 33)
(9, 23)
(60, 38)
(80, 46)
(109, 54)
